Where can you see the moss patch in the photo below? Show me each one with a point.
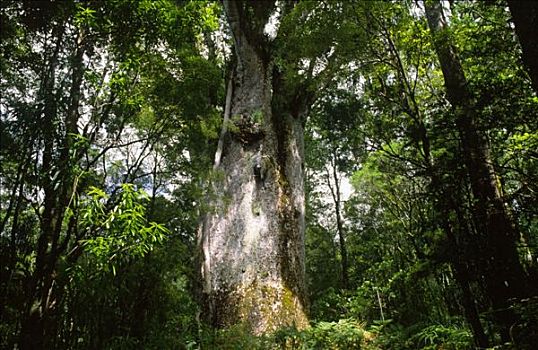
(261, 307)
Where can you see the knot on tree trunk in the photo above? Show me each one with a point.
(248, 129)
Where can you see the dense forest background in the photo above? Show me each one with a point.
(421, 171)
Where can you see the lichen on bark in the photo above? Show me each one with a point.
(252, 249)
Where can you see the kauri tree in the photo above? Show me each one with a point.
(252, 237)
(252, 242)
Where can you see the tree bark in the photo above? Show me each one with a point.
(525, 18)
(40, 320)
(335, 194)
(252, 238)
(504, 274)
(34, 321)
(446, 206)
(443, 203)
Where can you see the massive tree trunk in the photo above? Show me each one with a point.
(504, 275)
(252, 238)
(525, 17)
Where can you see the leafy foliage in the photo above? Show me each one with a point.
(344, 334)
(122, 231)
(110, 112)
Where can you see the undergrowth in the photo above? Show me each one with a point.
(342, 335)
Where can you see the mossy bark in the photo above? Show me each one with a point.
(252, 242)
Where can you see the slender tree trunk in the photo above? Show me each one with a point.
(525, 17)
(39, 325)
(335, 193)
(33, 321)
(443, 204)
(445, 207)
(504, 274)
(252, 238)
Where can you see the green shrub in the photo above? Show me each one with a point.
(425, 336)
(329, 305)
(443, 337)
(525, 331)
(344, 334)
